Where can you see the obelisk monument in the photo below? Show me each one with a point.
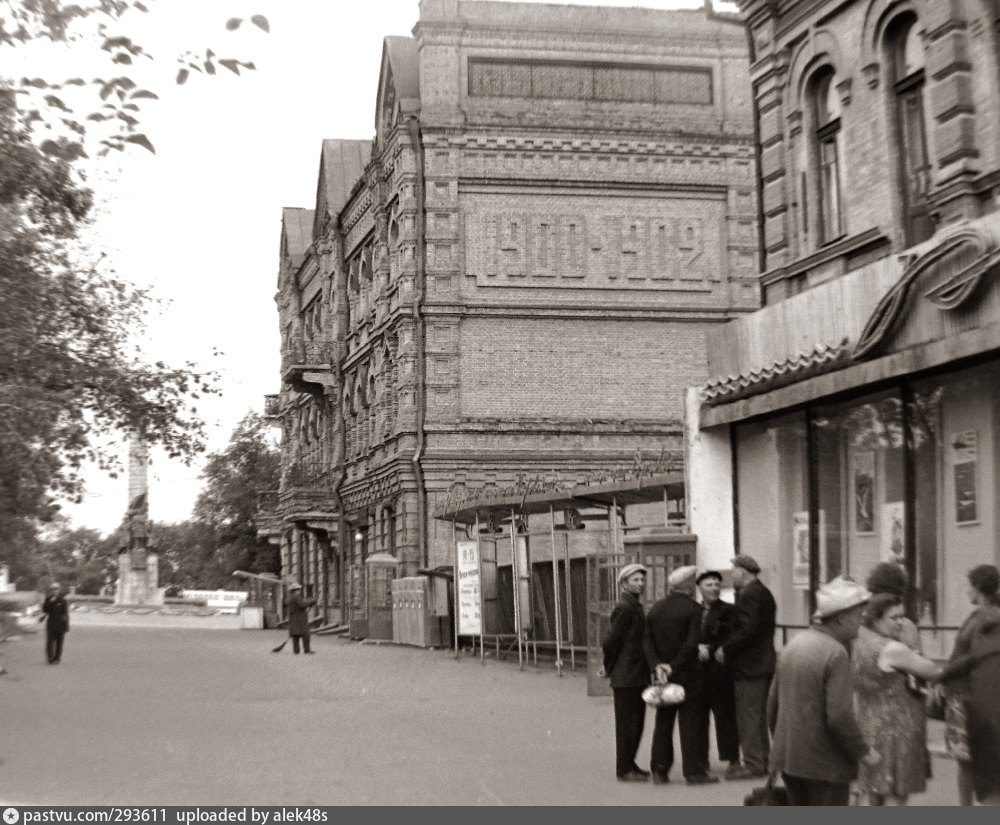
(138, 562)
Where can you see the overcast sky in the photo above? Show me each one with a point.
(200, 220)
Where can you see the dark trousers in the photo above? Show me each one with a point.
(722, 703)
(53, 645)
(630, 717)
(815, 791)
(693, 713)
(305, 642)
(751, 721)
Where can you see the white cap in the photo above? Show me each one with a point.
(682, 575)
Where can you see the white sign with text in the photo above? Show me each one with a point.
(470, 618)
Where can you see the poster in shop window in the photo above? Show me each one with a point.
(966, 447)
(864, 492)
(800, 548)
(893, 532)
(470, 619)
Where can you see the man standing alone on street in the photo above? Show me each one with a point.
(749, 653)
(817, 742)
(673, 628)
(56, 616)
(298, 618)
(625, 665)
(717, 623)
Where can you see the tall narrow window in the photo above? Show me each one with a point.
(914, 168)
(827, 121)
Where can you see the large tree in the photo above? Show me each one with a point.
(71, 378)
(228, 501)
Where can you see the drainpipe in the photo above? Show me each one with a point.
(758, 182)
(341, 434)
(418, 322)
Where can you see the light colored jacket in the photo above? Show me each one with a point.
(810, 710)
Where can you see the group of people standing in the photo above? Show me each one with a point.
(845, 702)
(721, 654)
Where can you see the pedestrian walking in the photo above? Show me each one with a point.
(810, 708)
(717, 624)
(298, 618)
(971, 678)
(749, 653)
(625, 665)
(55, 614)
(673, 631)
(890, 712)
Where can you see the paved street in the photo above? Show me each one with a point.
(155, 716)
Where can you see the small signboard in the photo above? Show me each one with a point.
(226, 601)
(470, 616)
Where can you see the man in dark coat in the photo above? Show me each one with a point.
(625, 665)
(750, 655)
(673, 628)
(56, 616)
(717, 624)
(298, 618)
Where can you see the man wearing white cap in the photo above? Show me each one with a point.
(625, 665)
(673, 630)
(810, 707)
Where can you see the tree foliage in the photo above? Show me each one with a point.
(69, 382)
(228, 502)
(107, 108)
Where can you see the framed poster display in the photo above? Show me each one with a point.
(863, 483)
(800, 548)
(965, 457)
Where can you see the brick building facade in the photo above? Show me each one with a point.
(511, 284)
(856, 416)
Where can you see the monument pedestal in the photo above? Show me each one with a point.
(138, 579)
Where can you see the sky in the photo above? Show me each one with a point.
(200, 220)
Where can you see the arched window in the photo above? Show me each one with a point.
(826, 119)
(907, 61)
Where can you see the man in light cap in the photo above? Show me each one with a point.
(810, 708)
(749, 653)
(673, 629)
(625, 665)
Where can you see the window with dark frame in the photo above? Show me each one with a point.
(827, 136)
(907, 52)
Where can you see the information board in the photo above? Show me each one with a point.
(470, 617)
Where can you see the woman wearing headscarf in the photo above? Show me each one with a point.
(625, 665)
(971, 678)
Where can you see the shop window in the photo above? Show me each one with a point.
(860, 486)
(907, 62)
(826, 118)
(772, 509)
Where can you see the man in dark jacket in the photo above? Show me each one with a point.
(625, 665)
(817, 742)
(749, 653)
(717, 624)
(298, 617)
(673, 628)
(56, 615)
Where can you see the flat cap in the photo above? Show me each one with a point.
(748, 563)
(628, 570)
(295, 586)
(682, 575)
(708, 574)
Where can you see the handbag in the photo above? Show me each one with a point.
(769, 794)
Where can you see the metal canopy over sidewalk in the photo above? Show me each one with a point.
(508, 592)
(642, 490)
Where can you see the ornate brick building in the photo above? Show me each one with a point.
(855, 416)
(511, 284)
